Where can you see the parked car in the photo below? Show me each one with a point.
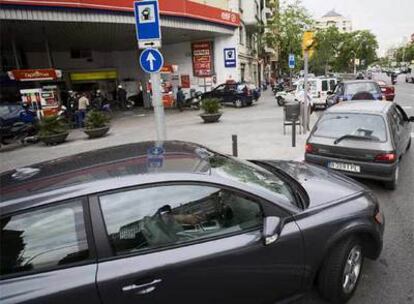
(388, 91)
(10, 113)
(140, 222)
(237, 94)
(255, 90)
(347, 90)
(362, 139)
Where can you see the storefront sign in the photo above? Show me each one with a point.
(94, 75)
(185, 81)
(35, 75)
(203, 59)
(179, 8)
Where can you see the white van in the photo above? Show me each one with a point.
(319, 89)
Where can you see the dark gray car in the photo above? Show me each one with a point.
(362, 139)
(178, 223)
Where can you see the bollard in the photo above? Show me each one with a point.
(234, 140)
(294, 133)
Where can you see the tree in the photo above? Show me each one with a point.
(286, 30)
(405, 53)
(339, 50)
(328, 43)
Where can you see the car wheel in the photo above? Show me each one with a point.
(280, 101)
(238, 103)
(392, 185)
(340, 273)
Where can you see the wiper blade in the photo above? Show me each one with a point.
(359, 137)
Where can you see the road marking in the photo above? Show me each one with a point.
(407, 107)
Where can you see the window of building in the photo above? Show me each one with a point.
(241, 35)
(163, 216)
(43, 239)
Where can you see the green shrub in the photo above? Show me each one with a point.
(211, 105)
(96, 119)
(52, 125)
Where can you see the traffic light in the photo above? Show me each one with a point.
(308, 42)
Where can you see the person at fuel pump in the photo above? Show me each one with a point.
(122, 97)
(83, 104)
(180, 99)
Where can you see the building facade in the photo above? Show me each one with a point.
(332, 18)
(93, 42)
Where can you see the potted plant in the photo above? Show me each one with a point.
(211, 108)
(53, 130)
(96, 124)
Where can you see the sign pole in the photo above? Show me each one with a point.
(305, 101)
(158, 107)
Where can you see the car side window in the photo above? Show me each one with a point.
(220, 88)
(400, 112)
(325, 85)
(398, 118)
(157, 217)
(43, 238)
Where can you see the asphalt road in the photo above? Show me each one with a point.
(390, 279)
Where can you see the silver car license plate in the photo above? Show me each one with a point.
(344, 167)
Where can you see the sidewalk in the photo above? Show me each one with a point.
(259, 129)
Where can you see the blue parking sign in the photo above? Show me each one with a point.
(147, 19)
(291, 61)
(230, 57)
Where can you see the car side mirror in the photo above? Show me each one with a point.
(271, 229)
(411, 119)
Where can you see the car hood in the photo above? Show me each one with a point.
(322, 185)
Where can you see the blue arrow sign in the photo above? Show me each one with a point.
(147, 19)
(151, 60)
(291, 61)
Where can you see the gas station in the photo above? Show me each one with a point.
(94, 45)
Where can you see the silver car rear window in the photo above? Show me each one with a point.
(335, 125)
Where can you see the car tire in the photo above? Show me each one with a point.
(238, 103)
(280, 101)
(392, 185)
(341, 271)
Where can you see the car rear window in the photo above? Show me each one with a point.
(335, 125)
(353, 88)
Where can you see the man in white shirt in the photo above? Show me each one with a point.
(83, 104)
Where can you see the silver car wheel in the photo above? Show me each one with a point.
(238, 103)
(352, 269)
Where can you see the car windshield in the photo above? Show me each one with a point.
(249, 173)
(362, 126)
(353, 88)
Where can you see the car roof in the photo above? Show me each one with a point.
(111, 163)
(358, 81)
(361, 106)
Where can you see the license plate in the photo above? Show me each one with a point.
(344, 167)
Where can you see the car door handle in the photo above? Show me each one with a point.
(144, 288)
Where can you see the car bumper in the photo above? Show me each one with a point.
(369, 170)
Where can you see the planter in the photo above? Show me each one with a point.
(208, 118)
(98, 132)
(54, 139)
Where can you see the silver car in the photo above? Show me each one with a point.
(362, 139)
